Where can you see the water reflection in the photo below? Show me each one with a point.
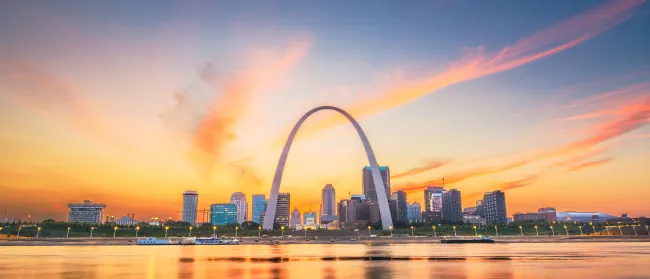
(563, 260)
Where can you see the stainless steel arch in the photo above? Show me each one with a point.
(384, 210)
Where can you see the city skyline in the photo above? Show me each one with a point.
(557, 103)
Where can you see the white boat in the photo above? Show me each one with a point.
(152, 241)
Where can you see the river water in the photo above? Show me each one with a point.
(517, 260)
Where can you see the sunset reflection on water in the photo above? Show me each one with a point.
(543, 260)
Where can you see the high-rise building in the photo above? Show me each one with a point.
(282, 209)
(86, 212)
(259, 206)
(190, 204)
(369, 184)
(402, 206)
(494, 207)
(329, 200)
(295, 218)
(239, 199)
(223, 214)
(414, 212)
(347, 213)
(452, 208)
(433, 198)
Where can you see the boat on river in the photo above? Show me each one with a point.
(152, 241)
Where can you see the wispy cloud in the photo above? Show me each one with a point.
(417, 170)
(573, 154)
(478, 63)
(589, 164)
(212, 129)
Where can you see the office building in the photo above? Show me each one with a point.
(239, 199)
(190, 205)
(259, 206)
(452, 208)
(295, 219)
(282, 209)
(548, 213)
(347, 210)
(223, 214)
(494, 207)
(433, 199)
(402, 206)
(474, 220)
(328, 199)
(369, 185)
(432, 217)
(414, 212)
(524, 217)
(86, 212)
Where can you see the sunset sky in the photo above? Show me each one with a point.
(130, 103)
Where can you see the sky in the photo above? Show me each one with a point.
(132, 103)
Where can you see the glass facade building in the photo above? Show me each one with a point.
(259, 206)
(223, 214)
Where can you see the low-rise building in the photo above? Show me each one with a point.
(86, 212)
(474, 220)
(524, 217)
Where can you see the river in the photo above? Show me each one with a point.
(514, 260)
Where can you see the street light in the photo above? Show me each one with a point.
(434, 231)
(634, 228)
(237, 229)
(593, 227)
(619, 229)
(214, 230)
(67, 233)
(136, 231)
(412, 232)
(566, 229)
(305, 228)
(553, 230)
(521, 230)
(475, 233)
(391, 230)
(646, 229)
(536, 231)
(91, 231)
(607, 228)
(38, 232)
(581, 230)
(190, 233)
(496, 230)
(368, 231)
(166, 229)
(115, 230)
(282, 228)
(455, 231)
(259, 231)
(18, 234)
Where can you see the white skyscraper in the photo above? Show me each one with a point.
(239, 199)
(190, 204)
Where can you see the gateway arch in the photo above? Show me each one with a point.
(382, 199)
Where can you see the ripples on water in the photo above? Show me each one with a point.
(522, 260)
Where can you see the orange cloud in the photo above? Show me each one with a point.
(217, 127)
(427, 167)
(590, 145)
(559, 37)
(591, 164)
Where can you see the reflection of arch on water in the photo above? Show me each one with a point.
(382, 199)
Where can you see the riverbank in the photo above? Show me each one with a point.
(288, 241)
